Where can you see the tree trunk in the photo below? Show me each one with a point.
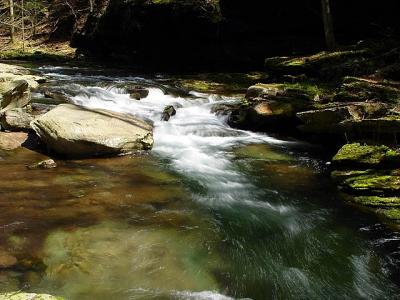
(328, 25)
(12, 26)
(23, 25)
(91, 5)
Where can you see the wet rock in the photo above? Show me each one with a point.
(16, 119)
(12, 140)
(27, 296)
(168, 112)
(18, 97)
(262, 152)
(225, 109)
(40, 108)
(137, 92)
(44, 164)
(73, 131)
(55, 95)
(271, 107)
(7, 260)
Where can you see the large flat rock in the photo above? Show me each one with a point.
(78, 132)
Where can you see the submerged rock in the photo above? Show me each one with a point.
(27, 296)
(74, 131)
(168, 112)
(7, 260)
(133, 258)
(44, 164)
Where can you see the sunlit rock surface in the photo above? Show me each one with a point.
(74, 131)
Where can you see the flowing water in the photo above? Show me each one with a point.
(211, 213)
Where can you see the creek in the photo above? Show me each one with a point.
(211, 212)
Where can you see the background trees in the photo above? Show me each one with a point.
(328, 25)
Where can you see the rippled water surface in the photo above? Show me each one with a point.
(211, 213)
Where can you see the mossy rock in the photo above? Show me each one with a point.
(366, 155)
(387, 207)
(371, 90)
(391, 213)
(323, 64)
(369, 182)
(376, 201)
(202, 86)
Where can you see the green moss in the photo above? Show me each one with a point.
(225, 83)
(342, 175)
(357, 154)
(393, 213)
(34, 55)
(202, 86)
(305, 62)
(370, 89)
(375, 182)
(376, 201)
(308, 88)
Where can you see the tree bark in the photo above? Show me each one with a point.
(91, 5)
(12, 20)
(23, 25)
(328, 25)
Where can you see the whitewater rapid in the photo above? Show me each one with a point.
(195, 141)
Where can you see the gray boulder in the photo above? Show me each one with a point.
(77, 132)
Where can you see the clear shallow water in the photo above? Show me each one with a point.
(210, 213)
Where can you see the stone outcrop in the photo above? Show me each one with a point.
(17, 97)
(16, 119)
(369, 175)
(78, 132)
(270, 107)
